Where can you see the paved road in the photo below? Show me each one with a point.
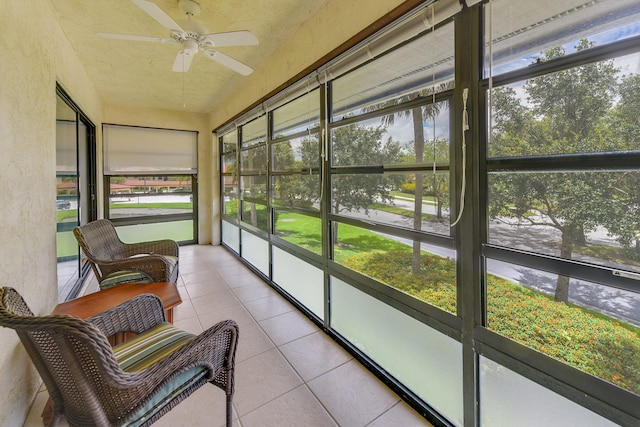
(614, 302)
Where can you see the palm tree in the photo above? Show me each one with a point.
(418, 115)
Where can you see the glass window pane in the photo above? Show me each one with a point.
(594, 329)
(256, 251)
(297, 153)
(424, 271)
(425, 360)
(522, 30)
(287, 271)
(587, 216)
(302, 230)
(254, 159)
(230, 185)
(255, 214)
(416, 136)
(298, 115)
(254, 187)
(230, 206)
(229, 142)
(585, 109)
(417, 69)
(254, 132)
(180, 231)
(300, 191)
(231, 236)
(230, 163)
(152, 195)
(67, 199)
(391, 198)
(505, 398)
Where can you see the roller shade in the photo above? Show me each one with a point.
(520, 31)
(136, 150)
(404, 29)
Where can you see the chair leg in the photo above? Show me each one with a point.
(229, 410)
(49, 417)
(54, 421)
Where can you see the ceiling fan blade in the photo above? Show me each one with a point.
(136, 38)
(233, 38)
(228, 61)
(182, 61)
(156, 13)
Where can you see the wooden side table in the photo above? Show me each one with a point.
(97, 302)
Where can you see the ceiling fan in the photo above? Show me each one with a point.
(193, 37)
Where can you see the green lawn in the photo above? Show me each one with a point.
(587, 340)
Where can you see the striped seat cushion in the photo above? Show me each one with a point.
(147, 348)
(173, 260)
(125, 276)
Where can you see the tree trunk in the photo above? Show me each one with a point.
(579, 238)
(254, 215)
(334, 229)
(418, 132)
(566, 250)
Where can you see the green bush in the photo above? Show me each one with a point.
(434, 284)
(589, 341)
(597, 345)
(408, 187)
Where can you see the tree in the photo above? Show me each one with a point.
(295, 189)
(254, 160)
(435, 184)
(567, 113)
(624, 127)
(418, 115)
(356, 145)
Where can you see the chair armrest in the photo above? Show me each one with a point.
(155, 266)
(136, 315)
(161, 247)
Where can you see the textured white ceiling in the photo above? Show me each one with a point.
(138, 73)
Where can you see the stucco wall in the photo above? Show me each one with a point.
(34, 54)
(165, 119)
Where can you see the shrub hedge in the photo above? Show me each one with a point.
(595, 344)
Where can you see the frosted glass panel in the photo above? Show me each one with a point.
(231, 236)
(302, 280)
(423, 359)
(256, 251)
(507, 399)
(180, 231)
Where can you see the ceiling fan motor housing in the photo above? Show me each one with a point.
(190, 7)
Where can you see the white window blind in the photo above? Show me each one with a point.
(135, 150)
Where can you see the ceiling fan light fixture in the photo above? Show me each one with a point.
(190, 47)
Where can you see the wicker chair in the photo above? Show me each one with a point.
(114, 261)
(136, 382)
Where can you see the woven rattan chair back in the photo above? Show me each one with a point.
(83, 377)
(107, 254)
(71, 356)
(99, 240)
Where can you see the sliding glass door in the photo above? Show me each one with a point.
(75, 190)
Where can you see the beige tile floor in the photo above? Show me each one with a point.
(288, 371)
